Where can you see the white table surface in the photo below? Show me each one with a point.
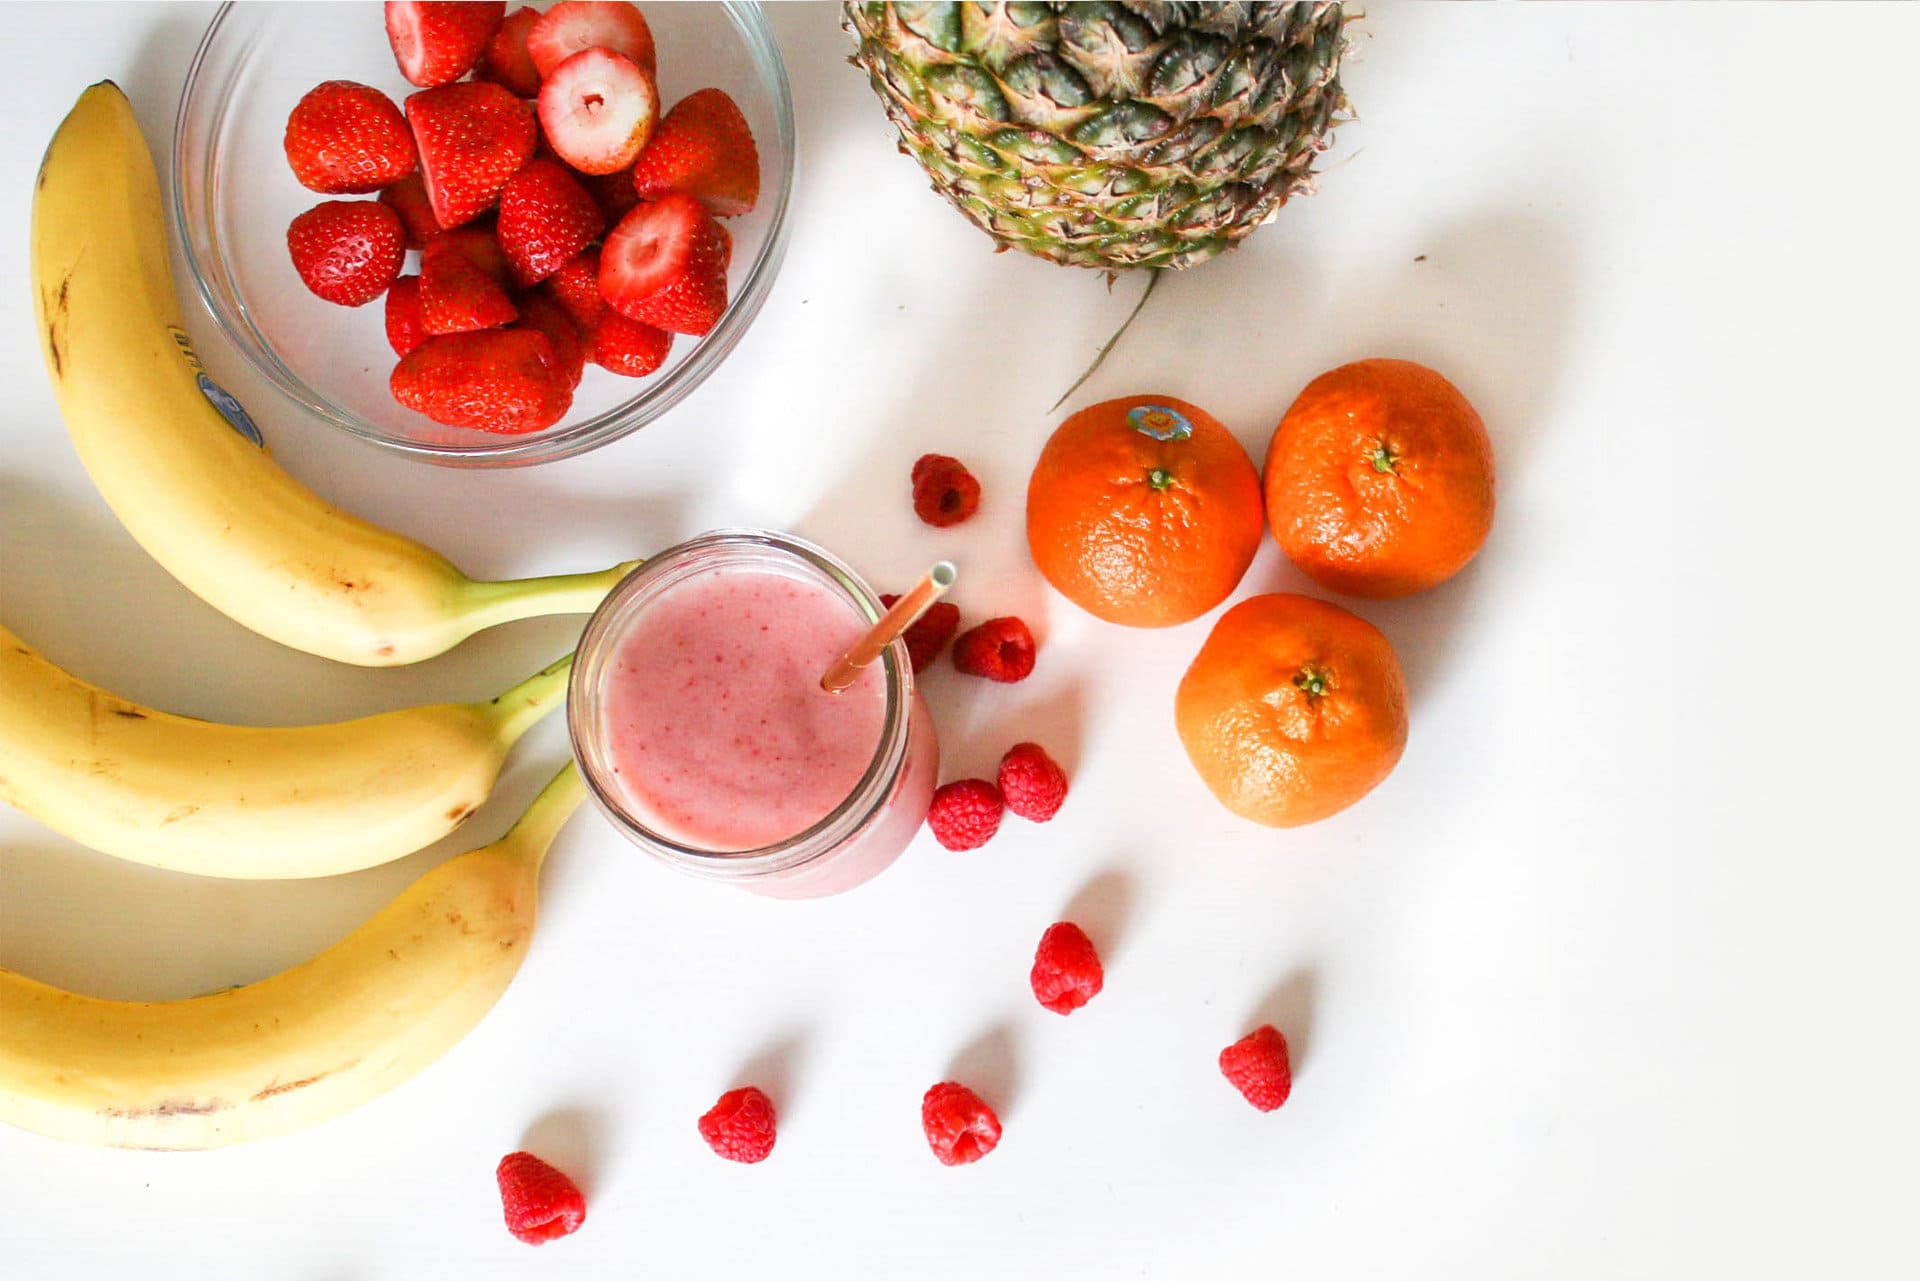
(1612, 978)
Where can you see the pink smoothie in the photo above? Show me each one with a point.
(718, 731)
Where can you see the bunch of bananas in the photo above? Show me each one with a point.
(192, 482)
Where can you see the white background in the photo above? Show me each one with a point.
(1612, 978)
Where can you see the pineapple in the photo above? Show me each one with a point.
(1110, 135)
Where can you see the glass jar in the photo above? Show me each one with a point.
(865, 832)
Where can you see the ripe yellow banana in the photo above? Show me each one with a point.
(249, 801)
(300, 1047)
(181, 464)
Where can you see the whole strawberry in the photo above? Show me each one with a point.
(505, 61)
(576, 286)
(546, 218)
(540, 1203)
(541, 313)
(497, 380)
(344, 138)
(472, 137)
(406, 326)
(408, 198)
(457, 296)
(628, 347)
(703, 148)
(347, 251)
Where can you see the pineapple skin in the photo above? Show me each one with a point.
(1110, 135)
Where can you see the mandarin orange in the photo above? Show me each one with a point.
(1144, 511)
(1379, 480)
(1293, 709)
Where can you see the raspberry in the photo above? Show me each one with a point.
(966, 814)
(960, 1127)
(1000, 649)
(930, 632)
(740, 1126)
(1066, 969)
(541, 1203)
(1256, 1064)
(1031, 783)
(944, 491)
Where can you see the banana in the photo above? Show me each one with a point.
(182, 465)
(301, 1047)
(246, 801)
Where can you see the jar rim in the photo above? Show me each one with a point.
(609, 623)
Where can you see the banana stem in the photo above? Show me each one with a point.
(490, 604)
(519, 709)
(533, 834)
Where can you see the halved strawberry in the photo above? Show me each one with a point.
(628, 347)
(472, 137)
(546, 217)
(406, 326)
(573, 25)
(437, 43)
(476, 241)
(408, 198)
(506, 61)
(499, 380)
(347, 137)
(598, 110)
(666, 265)
(456, 296)
(537, 311)
(576, 287)
(704, 148)
(347, 251)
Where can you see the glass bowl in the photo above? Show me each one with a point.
(233, 196)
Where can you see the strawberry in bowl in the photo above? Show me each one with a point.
(604, 184)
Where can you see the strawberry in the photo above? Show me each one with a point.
(436, 44)
(506, 61)
(576, 287)
(539, 312)
(406, 326)
(704, 148)
(499, 380)
(666, 265)
(457, 296)
(628, 347)
(477, 242)
(408, 198)
(546, 218)
(569, 27)
(347, 251)
(598, 109)
(472, 138)
(346, 137)
(613, 192)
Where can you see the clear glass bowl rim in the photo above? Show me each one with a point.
(207, 267)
